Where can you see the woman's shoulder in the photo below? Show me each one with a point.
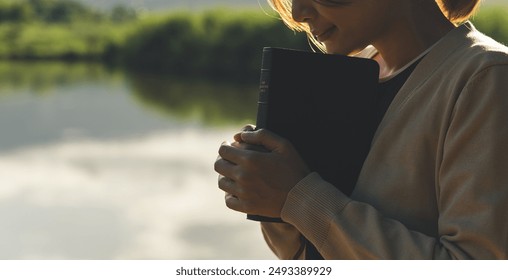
(462, 54)
(481, 50)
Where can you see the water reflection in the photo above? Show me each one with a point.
(95, 164)
(213, 103)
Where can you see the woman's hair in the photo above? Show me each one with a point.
(457, 11)
(283, 8)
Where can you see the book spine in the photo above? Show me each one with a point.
(264, 88)
(262, 112)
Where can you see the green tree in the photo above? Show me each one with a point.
(11, 11)
(62, 11)
(120, 13)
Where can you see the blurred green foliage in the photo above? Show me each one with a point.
(212, 43)
(58, 11)
(60, 29)
(493, 21)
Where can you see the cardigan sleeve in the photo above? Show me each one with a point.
(472, 192)
(285, 241)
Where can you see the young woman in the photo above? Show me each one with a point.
(435, 182)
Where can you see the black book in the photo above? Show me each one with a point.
(324, 105)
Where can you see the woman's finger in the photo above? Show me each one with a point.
(234, 203)
(224, 167)
(263, 137)
(248, 127)
(228, 185)
(234, 153)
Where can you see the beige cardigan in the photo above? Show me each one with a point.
(435, 183)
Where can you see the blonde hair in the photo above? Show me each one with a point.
(457, 11)
(284, 9)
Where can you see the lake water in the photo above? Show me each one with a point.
(100, 164)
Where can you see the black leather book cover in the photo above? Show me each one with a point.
(323, 104)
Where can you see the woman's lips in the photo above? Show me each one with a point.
(323, 36)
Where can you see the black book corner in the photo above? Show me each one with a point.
(306, 97)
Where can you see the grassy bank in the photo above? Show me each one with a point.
(212, 43)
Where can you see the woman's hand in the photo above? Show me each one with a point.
(257, 181)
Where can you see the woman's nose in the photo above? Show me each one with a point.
(302, 10)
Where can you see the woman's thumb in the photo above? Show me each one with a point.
(262, 137)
